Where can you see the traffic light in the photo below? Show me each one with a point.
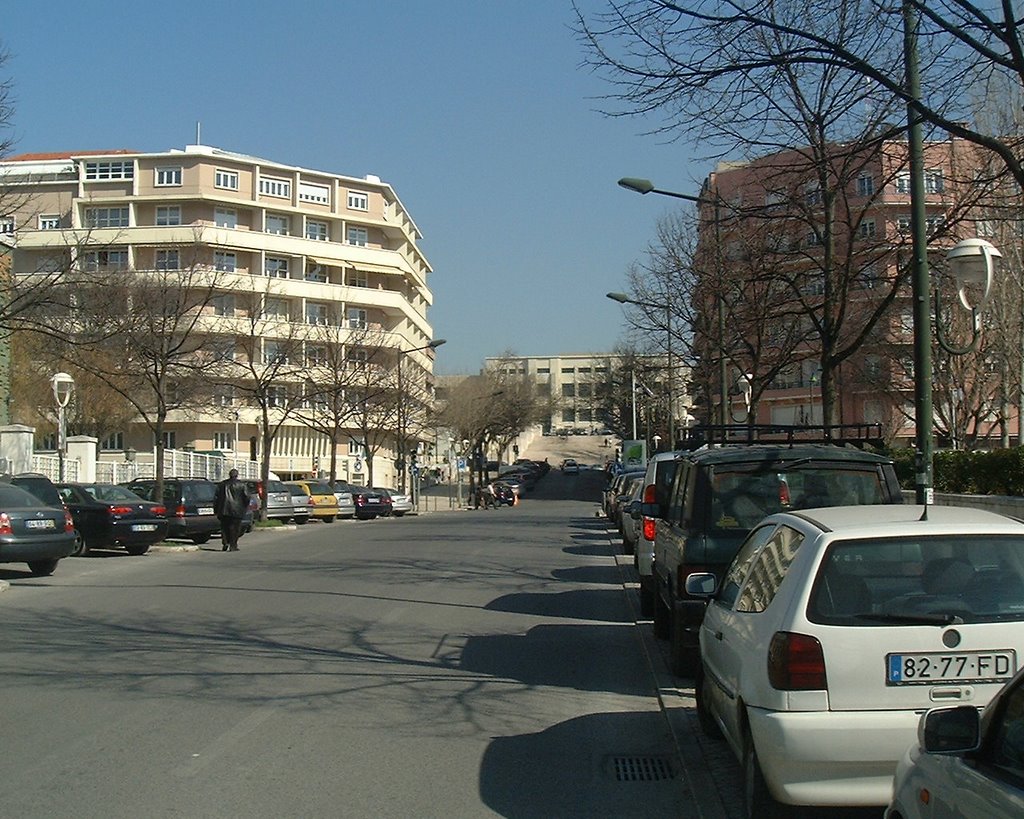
(316, 463)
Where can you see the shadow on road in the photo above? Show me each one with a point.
(605, 605)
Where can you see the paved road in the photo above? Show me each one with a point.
(453, 664)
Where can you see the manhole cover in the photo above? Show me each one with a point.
(642, 768)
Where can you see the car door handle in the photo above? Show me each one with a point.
(718, 635)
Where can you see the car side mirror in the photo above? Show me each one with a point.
(950, 730)
(701, 584)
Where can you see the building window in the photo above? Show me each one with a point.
(224, 305)
(168, 177)
(106, 217)
(275, 187)
(933, 181)
(277, 224)
(568, 415)
(49, 222)
(276, 308)
(274, 353)
(568, 390)
(105, 259)
(316, 356)
(358, 200)
(934, 223)
(903, 182)
(223, 441)
(776, 197)
(865, 185)
(167, 260)
(813, 239)
(276, 267)
(568, 370)
(868, 277)
(225, 217)
(7, 225)
(357, 278)
(866, 229)
(316, 313)
(316, 273)
(276, 396)
(100, 171)
(223, 349)
(356, 448)
(812, 193)
(223, 261)
(316, 230)
(543, 370)
(358, 236)
(170, 439)
(356, 318)
(113, 442)
(168, 215)
(319, 194)
(903, 224)
(226, 179)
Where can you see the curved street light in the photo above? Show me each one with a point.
(401, 460)
(63, 385)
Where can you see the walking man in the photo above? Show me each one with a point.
(230, 504)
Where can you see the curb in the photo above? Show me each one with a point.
(4, 585)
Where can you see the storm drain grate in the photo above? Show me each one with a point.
(642, 768)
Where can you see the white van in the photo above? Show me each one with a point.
(661, 471)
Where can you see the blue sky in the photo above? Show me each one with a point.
(477, 112)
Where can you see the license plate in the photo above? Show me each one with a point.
(205, 510)
(967, 666)
(143, 527)
(40, 524)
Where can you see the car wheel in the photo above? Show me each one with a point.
(707, 722)
(199, 540)
(81, 547)
(42, 567)
(329, 519)
(683, 659)
(662, 626)
(136, 550)
(301, 521)
(757, 799)
(398, 514)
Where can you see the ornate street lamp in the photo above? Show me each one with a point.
(63, 385)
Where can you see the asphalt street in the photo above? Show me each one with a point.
(455, 663)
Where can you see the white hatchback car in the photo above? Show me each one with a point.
(835, 628)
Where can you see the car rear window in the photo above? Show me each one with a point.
(319, 488)
(276, 486)
(199, 492)
(41, 488)
(12, 497)
(941, 580)
(741, 498)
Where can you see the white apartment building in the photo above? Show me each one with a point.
(335, 251)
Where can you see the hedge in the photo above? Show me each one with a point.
(984, 472)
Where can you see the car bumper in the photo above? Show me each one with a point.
(193, 526)
(125, 532)
(644, 550)
(16, 550)
(831, 758)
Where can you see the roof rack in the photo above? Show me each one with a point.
(856, 435)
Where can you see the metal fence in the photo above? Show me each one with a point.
(178, 463)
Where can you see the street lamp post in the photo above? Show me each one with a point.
(63, 385)
(971, 262)
(401, 443)
(645, 186)
(622, 298)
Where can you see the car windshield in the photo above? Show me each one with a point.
(741, 498)
(935, 580)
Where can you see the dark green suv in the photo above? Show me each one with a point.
(721, 492)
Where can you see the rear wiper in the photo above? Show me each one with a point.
(933, 619)
(793, 464)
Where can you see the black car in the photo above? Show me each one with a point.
(39, 486)
(188, 506)
(369, 503)
(33, 532)
(107, 515)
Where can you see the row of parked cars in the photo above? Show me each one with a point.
(827, 626)
(42, 522)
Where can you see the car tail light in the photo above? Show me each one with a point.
(650, 528)
(120, 510)
(310, 502)
(180, 511)
(69, 523)
(796, 663)
(159, 510)
(650, 493)
(5, 524)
